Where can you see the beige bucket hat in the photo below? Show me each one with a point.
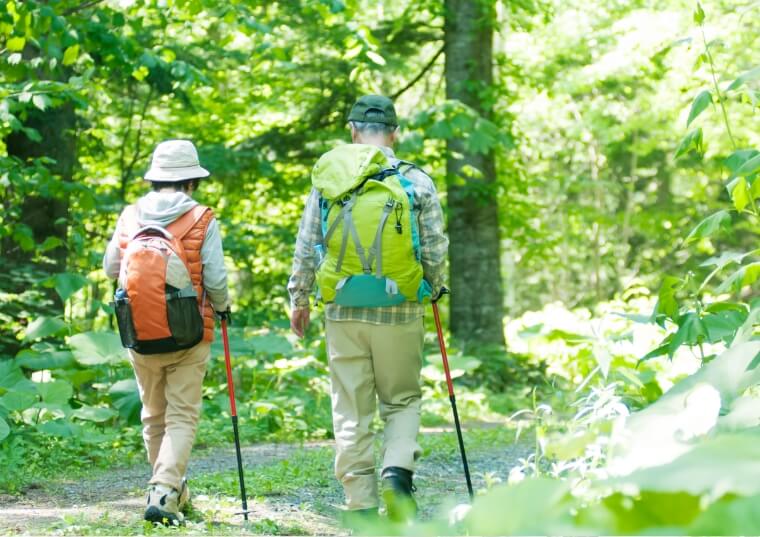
(175, 160)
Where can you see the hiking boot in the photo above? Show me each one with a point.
(398, 492)
(163, 505)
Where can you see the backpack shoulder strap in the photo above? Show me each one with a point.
(408, 166)
(182, 225)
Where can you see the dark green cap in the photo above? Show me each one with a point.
(374, 109)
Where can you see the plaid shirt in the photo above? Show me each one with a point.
(433, 249)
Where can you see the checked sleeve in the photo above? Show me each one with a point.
(305, 259)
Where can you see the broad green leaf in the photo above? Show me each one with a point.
(701, 102)
(740, 194)
(729, 516)
(97, 414)
(722, 325)
(725, 464)
(752, 74)
(719, 307)
(95, 348)
(691, 331)
(126, 399)
(67, 283)
(646, 512)
(725, 259)
(29, 359)
(750, 167)
(57, 392)
(10, 375)
(70, 55)
(537, 506)
(746, 275)
(711, 224)
(666, 302)
(18, 400)
(60, 428)
(5, 430)
(43, 327)
(737, 159)
(15, 44)
(693, 140)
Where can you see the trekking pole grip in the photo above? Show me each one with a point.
(444, 291)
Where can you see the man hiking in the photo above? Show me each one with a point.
(167, 254)
(371, 229)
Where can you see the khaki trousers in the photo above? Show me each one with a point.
(368, 363)
(170, 390)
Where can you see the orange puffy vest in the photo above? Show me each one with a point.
(198, 218)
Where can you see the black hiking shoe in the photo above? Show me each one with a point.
(398, 493)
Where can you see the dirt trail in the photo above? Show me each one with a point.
(113, 501)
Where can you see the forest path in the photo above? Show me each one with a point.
(291, 491)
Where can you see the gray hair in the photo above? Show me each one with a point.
(372, 128)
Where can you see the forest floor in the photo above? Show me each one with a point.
(291, 489)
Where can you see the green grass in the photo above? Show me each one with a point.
(111, 524)
(305, 468)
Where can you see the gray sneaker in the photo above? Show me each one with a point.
(164, 505)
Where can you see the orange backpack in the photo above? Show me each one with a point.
(156, 305)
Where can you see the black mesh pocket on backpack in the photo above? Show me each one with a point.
(184, 316)
(123, 310)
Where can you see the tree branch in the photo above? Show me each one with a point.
(419, 75)
(80, 7)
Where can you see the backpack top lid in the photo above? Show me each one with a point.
(345, 167)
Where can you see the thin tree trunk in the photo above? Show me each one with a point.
(47, 215)
(477, 299)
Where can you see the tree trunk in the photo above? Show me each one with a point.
(477, 299)
(47, 215)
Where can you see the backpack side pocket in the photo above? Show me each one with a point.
(124, 319)
(184, 317)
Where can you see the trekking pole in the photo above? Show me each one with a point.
(233, 411)
(450, 384)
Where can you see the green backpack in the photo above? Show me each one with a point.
(370, 255)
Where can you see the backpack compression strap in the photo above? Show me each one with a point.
(348, 227)
(377, 245)
(375, 251)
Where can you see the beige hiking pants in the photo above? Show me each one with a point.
(371, 362)
(170, 391)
